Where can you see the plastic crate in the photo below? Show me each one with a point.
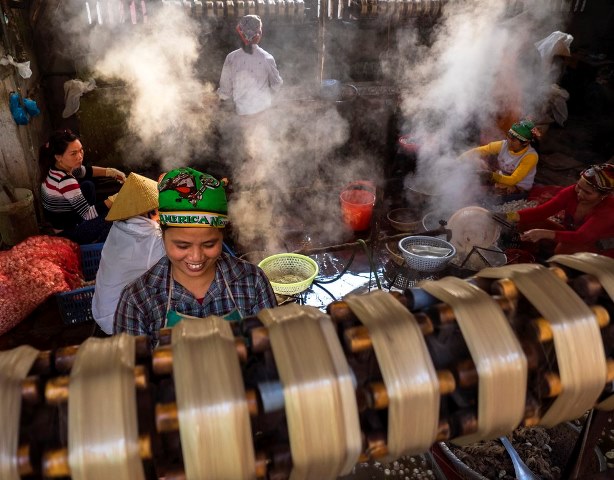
(76, 305)
(90, 259)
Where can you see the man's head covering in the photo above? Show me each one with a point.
(189, 198)
(249, 27)
(600, 177)
(523, 130)
(137, 196)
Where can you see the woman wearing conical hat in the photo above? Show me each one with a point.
(195, 278)
(133, 246)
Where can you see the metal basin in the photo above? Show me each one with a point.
(562, 442)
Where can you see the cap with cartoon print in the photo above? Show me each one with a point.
(189, 198)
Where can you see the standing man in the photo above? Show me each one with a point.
(249, 75)
(249, 78)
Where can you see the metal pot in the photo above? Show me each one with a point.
(466, 473)
(419, 197)
(334, 90)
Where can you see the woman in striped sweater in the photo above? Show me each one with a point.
(67, 192)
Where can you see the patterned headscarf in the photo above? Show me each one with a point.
(600, 177)
(249, 27)
(189, 198)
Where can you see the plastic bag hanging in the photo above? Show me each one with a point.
(557, 43)
(73, 90)
(23, 68)
(17, 110)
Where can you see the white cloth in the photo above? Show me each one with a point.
(249, 80)
(73, 90)
(557, 104)
(557, 43)
(132, 247)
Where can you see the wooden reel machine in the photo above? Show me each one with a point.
(296, 393)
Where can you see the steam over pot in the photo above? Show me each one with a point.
(420, 194)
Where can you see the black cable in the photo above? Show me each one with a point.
(345, 269)
(371, 269)
(317, 284)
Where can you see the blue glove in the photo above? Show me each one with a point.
(19, 114)
(31, 107)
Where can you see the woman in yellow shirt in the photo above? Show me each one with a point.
(514, 168)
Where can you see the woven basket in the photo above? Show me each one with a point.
(289, 273)
(425, 263)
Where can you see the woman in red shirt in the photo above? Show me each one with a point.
(588, 208)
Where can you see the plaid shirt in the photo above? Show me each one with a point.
(142, 306)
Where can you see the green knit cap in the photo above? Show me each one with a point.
(189, 198)
(522, 130)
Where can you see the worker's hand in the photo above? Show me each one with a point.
(537, 234)
(116, 174)
(512, 217)
(505, 219)
(501, 189)
(485, 177)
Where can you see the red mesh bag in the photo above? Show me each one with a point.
(33, 270)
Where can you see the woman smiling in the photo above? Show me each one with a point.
(588, 215)
(195, 278)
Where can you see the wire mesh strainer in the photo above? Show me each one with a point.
(426, 262)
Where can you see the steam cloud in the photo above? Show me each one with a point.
(480, 71)
(166, 111)
(477, 64)
(171, 113)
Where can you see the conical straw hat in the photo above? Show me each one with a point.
(137, 196)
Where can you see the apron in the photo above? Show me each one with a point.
(173, 317)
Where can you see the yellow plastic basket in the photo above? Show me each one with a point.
(289, 273)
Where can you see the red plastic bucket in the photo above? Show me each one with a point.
(408, 143)
(357, 201)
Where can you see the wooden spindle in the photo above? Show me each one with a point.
(57, 388)
(162, 357)
(55, 462)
